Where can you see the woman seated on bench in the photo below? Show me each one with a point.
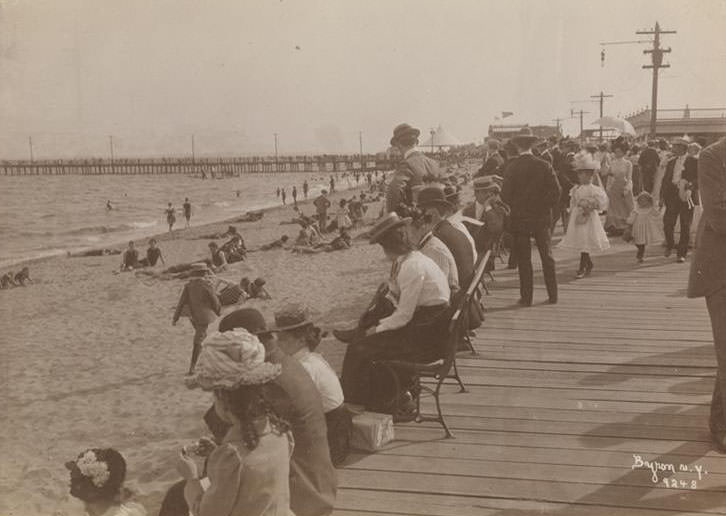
(414, 330)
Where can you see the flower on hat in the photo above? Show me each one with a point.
(89, 466)
(231, 359)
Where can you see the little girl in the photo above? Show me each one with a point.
(585, 231)
(248, 473)
(646, 225)
(97, 478)
(343, 215)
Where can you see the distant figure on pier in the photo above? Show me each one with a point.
(278, 192)
(187, 210)
(284, 196)
(332, 184)
(321, 206)
(170, 217)
(108, 205)
(294, 195)
(306, 187)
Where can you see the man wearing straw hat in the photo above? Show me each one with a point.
(493, 160)
(531, 191)
(411, 170)
(708, 272)
(485, 217)
(679, 194)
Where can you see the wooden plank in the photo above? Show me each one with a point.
(634, 497)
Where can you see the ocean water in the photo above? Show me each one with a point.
(49, 215)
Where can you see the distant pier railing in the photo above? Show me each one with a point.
(209, 167)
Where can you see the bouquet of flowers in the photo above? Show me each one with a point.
(586, 206)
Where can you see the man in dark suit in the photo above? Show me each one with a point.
(708, 272)
(411, 170)
(531, 191)
(485, 217)
(648, 162)
(679, 193)
(493, 160)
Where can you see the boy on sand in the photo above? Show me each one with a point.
(153, 255)
(130, 260)
(188, 209)
(170, 217)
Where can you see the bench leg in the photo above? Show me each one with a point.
(449, 435)
(462, 388)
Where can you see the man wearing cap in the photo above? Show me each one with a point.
(413, 331)
(411, 169)
(201, 304)
(708, 272)
(531, 191)
(295, 398)
(484, 218)
(679, 194)
(493, 160)
(322, 203)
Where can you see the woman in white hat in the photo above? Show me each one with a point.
(585, 231)
(248, 472)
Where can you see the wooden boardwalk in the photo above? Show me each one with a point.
(561, 398)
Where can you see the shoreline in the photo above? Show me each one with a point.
(120, 244)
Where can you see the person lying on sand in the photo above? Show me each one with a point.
(255, 289)
(94, 252)
(130, 260)
(252, 216)
(180, 271)
(7, 281)
(231, 230)
(234, 249)
(300, 220)
(97, 480)
(341, 242)
(280, 243)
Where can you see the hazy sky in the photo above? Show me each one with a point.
(233, 72)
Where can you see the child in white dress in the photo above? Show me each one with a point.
(645, 224)
(97, 479)
(585, 231)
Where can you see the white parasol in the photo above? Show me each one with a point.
(610, 122)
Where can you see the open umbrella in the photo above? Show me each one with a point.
(610, 122)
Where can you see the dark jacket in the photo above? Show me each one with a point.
(669, 191)
(460, 247)
(493, 162)
(487, 235)
(409, 172)
(708, 268)
(531, 190)
(203, 303)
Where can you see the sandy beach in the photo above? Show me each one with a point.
(90, 358)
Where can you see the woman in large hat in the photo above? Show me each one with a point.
(619, 189)
(415, 328)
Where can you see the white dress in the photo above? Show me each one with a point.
(126, 509)
(589, 236)
(647, 226)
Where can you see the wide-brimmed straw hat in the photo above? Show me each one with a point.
(385, 224)
(585, 161)
(231, 359)
(432, 196)
(525, 137)
(681, 141)
(291, 316)
(487, 183)
(402, 130)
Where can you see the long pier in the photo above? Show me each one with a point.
(211, 167)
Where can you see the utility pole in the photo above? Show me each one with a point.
(601, 96)
(110, 144)
(277, 168)
(30, 145)
(557, 121)
(432, 132)
(656, 55)
(360, 145)
(581, 112)
(193, 153)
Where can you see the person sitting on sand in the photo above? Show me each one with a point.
(22, 277)
(249, 472)
(97, 479)
(256, 288)
(7, 281)
(130, 260)
(230, 293)
(153, 255)
(218, 258)
(308, 237)
(300, 343)
(200, 303)
(341, 242)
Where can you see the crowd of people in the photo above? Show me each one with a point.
(281, 418)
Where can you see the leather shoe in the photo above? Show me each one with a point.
(524, 302)
(347, 336)
(680, 259)
(552, 300)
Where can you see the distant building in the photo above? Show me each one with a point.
(506, 131)
(708, 124)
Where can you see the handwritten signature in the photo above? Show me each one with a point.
(661, 469)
